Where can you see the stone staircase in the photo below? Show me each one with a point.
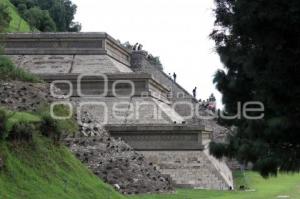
(191, 169)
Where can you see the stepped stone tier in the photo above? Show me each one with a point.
(132, 97)
(160, 137)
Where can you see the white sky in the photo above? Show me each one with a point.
(176, 30)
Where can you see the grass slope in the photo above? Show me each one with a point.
(283, 185)
(42, 170)
(17, 24)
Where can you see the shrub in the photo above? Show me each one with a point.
(40, 19)
(50, 128)
(217, 149)
(65, 126)
(3, 118)
(9, 71)
(5, 18)
(46, 15)
(21, 131)
(9, 122)
(22, 8)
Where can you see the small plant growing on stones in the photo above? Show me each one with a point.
(9, 71)
(50, 128)
(21, 131)
(3, 118)
(65, 127)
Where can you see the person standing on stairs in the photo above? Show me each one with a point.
(195, 92)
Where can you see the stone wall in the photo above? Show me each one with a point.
(140, 63)
(64, 64)
(65, 44)
(191, 169)
(160, 137)
(128, 111)
(177, 94)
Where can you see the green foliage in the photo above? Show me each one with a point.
(21, 131)
(43, 170)
(50, 128)
(17, 23)
(13, 120)
(9, 71)
(217, 149)
(62, 126)
(3, 119)
(5, 18)
(258, 43)
(20, 117)
(39, 19)
(62, 12)
(156, 62)
(45, 124)
(283, 185)
(45, 15)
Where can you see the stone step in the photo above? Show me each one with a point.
(188, 169)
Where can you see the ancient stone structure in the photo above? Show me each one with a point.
(131, 97)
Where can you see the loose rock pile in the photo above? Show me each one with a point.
(22, 96)
(115, 162)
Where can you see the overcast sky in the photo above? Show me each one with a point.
(176, 30)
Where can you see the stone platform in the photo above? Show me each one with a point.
(163, 137)
(65, 53)
(191, 169)
(119, 85)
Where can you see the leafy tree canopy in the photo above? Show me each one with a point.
(61, 13)
(4, 17)
(40, 19)
(259, 45)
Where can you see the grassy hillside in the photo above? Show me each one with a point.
(42, 170)
(17, 24)
(284, 185)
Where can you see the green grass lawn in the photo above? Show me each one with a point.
(17, 24)
(283, 185)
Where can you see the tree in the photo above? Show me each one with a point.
(259, 45)
(75, 27)
(40, 19)
(61, 13)
(4, 17)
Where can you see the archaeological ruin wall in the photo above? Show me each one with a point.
(145, 118)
